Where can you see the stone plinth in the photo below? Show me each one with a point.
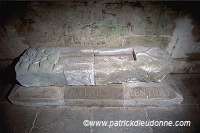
(36, 96)
(62, 66)
(164, 93)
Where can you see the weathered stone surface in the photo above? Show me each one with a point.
(144, 64)
(36, 96)
(106, 95)
(60, 66)
(57, 66)
(164, 93)
(158, 94)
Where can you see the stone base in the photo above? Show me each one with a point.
(164, 93)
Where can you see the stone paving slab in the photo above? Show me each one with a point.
(116, 114)
(17, 119)
(178, 79)
(59, 119)
(116, 95)
(179, 113)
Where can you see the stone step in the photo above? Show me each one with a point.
(164, 93)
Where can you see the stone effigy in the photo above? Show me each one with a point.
(88, 76)
(61, 66)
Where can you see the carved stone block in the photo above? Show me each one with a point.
(61, 66)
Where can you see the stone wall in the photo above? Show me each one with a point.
(172, 26)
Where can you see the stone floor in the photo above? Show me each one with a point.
(63, 119)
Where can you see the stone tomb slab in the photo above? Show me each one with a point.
(164, 93)
(63, 66)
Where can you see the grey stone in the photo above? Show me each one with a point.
(179, 113)
(182, 66)
(193, 86)
(17, 119)
(113, 51)
(194, 67)
(60, 66)
(62, 119)
(49, 66)
(79, 74)
(150, 64)
(111, 95)
(148, 94)
(121, 115)
(36, 96)
(107, 95)
(179, 79)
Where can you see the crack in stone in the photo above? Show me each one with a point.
(57, 59)
(64, 76)
(91, 130)
(50, 126)
(33, 124)
(148, 119)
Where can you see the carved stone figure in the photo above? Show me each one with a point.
(61, 66)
